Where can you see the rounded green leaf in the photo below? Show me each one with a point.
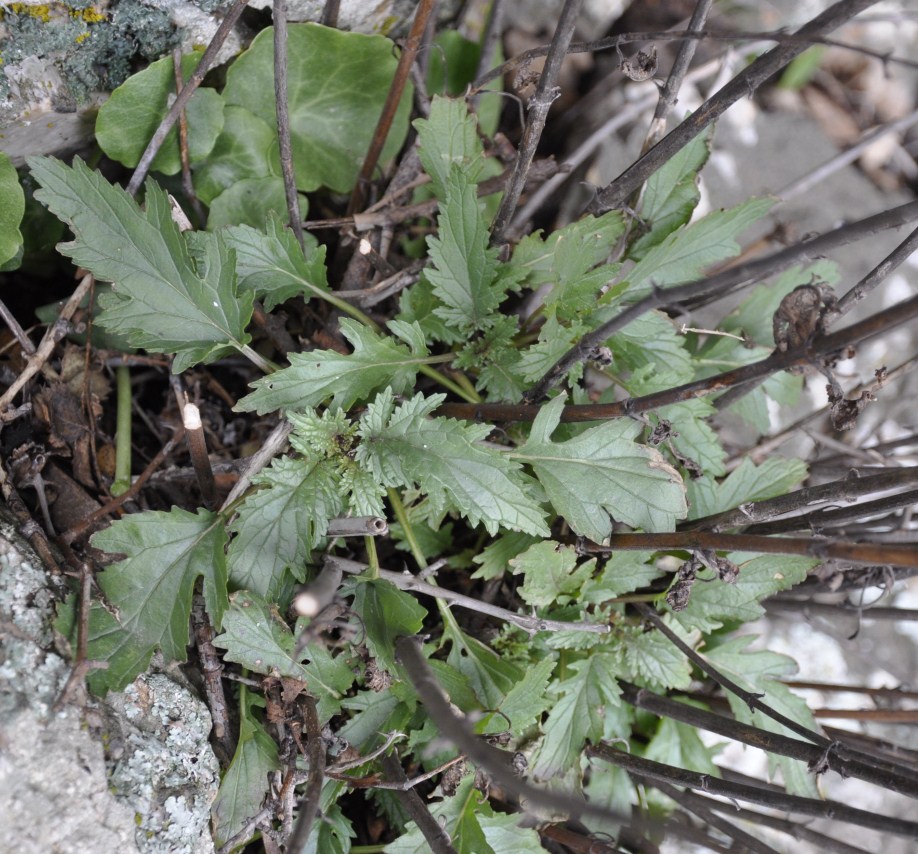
(245, 148)
(337, 83)
(12, 207)
(128, 120)
(249, 201)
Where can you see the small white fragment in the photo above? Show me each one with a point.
(191, 417)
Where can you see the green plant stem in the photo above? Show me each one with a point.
(372, 557)
(122, 481)
(260, 362)
(401, 516)
(470, 395)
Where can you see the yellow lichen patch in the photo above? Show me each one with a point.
(43, 13)
(91, 15)
(82, 37)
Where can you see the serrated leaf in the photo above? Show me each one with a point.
(387, 614)
(417, 304)
(495, 558)
(495, 358)
(256, 636)
(128, 119)
(246, 148)
(245, 784)
(671, 193)
(449, 137)
(313, 377)
(152, 587)
(159, 301)
(747, 482)
(463, 264)
(279, 525)
(271, 263)
(694, 437)
(12, 208)
(554, 341)
(336, 86)
(713, 602)
(684, 254)
(402, 446)
(376, 712)
(622, 573)
(652, 343)
(655, 662)
(526, 701)
(577, 716)
(551, 574)
(601, 472)
(756, 671)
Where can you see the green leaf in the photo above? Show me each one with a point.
(747, 482)
(377, 362)
(152, 587)
(678, 744)
(279, 525)
(159, 301)
(270, 262)
(526, 701)
(463, 264)
(655, 662)
(336, 86)
(402, 446)
(684, 254)
(552, 576)
(494, 559)
(694, 437)
(554, 341)
(256, 636)
(245, 784)
(251, 201)
(654, 351)
(12, 209)
(333, 834)
(491, 677)
(713, 602)
(622, 573)
(671, 193)
(246, 148)
(577, 715)
(387, 614)
(601, 472)
(756, 671)
(449, 137)
(128, 119)
(565, 260)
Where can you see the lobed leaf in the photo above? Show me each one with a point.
(603, 473)
(402, 446)
(318, 375)
(159, 301)
(551, 575)
(448, 137)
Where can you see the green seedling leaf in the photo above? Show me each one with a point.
(448, 137)
(376, 712)
(129, 118)
(159, 301)
(464, 265)
(336, 85)
(246, 148)
(578, 714)
(551, 574)
(12, 209)
(151, 587)
(387, 613)
(684, 254)
(693, 436)
(653, 661)
(318, 375)
(333, 834)
(757, 671)
(278, 526)
(713, 603)
(494, 559)
(526, 701)
(246, 782)
(251, 201)
(654, 352)
(402, 446)
(671, 193)
(601, 472)
(271, 264)
(747, 482)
